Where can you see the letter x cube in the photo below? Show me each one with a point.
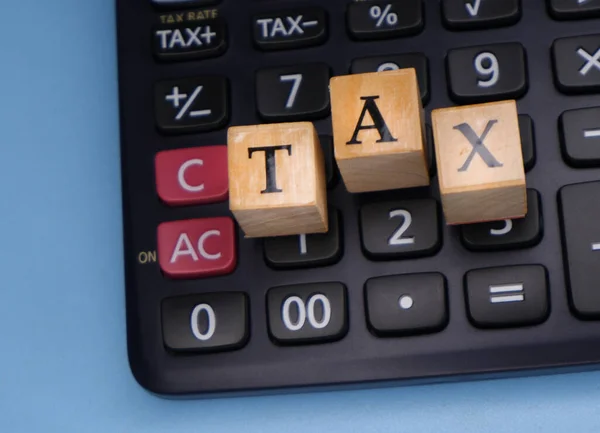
(277, 184)
(379, 131)
(480, 162)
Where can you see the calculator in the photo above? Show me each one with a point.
(390, 294)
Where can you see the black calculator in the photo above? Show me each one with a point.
(390, 294)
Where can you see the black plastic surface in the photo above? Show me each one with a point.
(359, 358)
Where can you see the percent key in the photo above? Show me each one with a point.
(383, 20)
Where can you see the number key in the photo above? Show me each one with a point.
(307, 313)
(293, 92)
(400, 229)
(205, 322)
(508, 234)
(319, 249)
(487, 73)
(393, 62)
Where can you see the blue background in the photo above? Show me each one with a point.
(63, 363)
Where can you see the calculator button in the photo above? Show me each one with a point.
(487, 73)
(286, 252)
(400, 229)
(297, 92)
(480, 14)
(580, 137)
(331, 170)
(197, 248)
(307, 313)
(508, 234)
(527, 141)
(406, 304)
(293, 28)
(577, 64)
(580, 213)
(507, 296)
(192, 104)
(574, 9)
(196, 175)
(205, 322)
(417, 61)
(190, 40)
(384, 19)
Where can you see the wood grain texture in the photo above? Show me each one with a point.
(481, 174)
(301, 205)
(377, 164)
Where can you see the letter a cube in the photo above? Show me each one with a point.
(480, 162)
(378, 131)
(277, 179)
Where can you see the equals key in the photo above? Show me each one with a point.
(292, 28)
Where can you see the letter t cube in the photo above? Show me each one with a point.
(277, 179)
(378, 130)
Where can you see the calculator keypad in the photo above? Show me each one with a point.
(486, 73)
(390, 291)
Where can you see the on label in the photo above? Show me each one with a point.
(147, 257)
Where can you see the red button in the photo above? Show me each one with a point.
(196, 175)
(197, 247)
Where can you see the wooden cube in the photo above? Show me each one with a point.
(480, 162)
(277, 179)
(379, 130)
